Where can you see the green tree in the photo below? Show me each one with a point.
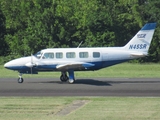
(3, 44)
(150, 12)
(32, 25)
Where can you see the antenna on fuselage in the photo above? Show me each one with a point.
(80, 44)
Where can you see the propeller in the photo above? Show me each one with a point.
(31, 64)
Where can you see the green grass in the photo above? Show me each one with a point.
(125, 70)
(98, 108)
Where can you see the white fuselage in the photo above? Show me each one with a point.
(55, 58)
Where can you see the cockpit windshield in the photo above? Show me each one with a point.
(38, 54)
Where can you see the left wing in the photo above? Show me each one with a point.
(74, 66)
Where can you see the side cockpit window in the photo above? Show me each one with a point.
(48, 55)
(38, 55)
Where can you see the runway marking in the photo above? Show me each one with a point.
(72, 107)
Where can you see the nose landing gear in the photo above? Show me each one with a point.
(20, 79)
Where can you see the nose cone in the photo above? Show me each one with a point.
(8, 65)
(12, 65)
(17, 64)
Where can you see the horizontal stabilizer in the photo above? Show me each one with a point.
(138, 54)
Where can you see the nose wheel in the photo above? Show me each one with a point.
(20, 79)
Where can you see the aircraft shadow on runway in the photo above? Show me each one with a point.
(83, 82)
(92, 82)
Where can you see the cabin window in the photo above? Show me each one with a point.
(83, 54)
(48, 56)
(59, 55)
(96, 54)
(70, 55)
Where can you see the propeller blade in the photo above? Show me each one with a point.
(31, 62)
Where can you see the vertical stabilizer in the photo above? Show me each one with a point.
(142, 40)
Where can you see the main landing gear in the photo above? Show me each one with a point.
(20, 79)
(65, 78)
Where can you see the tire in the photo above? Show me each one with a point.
(64, 78)
(20, 80)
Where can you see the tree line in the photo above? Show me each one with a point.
(27, 26)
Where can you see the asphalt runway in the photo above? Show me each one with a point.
(149, 87)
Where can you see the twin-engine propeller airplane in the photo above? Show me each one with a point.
(83, 59)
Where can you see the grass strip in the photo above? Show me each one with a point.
(99, 108)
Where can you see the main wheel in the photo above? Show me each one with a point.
(20, 80)
(64, 78)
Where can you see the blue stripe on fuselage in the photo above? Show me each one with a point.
(97, 65)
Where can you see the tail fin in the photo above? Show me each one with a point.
(142, 40)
